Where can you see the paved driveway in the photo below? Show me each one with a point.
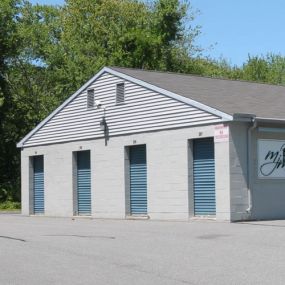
(39, 250)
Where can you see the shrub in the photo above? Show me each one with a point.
(9, 205)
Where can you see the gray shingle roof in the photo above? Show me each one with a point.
(228, 96)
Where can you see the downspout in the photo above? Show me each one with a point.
(249, 155)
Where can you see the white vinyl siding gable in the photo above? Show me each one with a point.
(143, 110)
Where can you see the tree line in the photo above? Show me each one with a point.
(47, 52)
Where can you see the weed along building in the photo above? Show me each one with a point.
(132, 143)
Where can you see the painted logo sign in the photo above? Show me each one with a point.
(271, 159)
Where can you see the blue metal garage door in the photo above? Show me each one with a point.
(38, 182)
(83, 183)
(138, 180)
(204, 177)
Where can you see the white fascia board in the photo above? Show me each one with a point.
(270, 120)
(224, 116)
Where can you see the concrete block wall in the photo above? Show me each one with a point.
(238, 171)
(170, 194)
(222, 174)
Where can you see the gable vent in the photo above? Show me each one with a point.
(120, 95)
(90, 98)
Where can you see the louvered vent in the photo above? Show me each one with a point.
(90, 98)
(120, 96)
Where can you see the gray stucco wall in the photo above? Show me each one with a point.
(268, 195)
(169, 162)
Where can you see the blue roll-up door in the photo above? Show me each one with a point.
(138, 180)
(83, 183)
(204, 177)
(38, 184)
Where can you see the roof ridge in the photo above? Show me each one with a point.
(199, 76)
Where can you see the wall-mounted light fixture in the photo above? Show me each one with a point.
(103, 123)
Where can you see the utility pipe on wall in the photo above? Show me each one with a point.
(249, 155)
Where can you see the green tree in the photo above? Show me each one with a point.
(9, 49)
(268, 69)
(47, 52)
(256, 69)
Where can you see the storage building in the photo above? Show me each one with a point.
(135, 143)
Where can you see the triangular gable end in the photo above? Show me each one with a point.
(222, 116)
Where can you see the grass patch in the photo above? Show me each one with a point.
(10, 206)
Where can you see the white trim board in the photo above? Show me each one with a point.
(224, 116)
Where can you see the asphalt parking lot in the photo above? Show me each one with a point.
(40, 250)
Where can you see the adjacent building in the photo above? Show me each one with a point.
(135, 143)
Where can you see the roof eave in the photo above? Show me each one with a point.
(243, 117)
(270, 120)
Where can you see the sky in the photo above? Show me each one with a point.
(236, 28)
(241, 27)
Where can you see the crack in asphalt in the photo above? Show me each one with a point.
(12, 238)
(212, 236)
(261, 224)
(82, 236)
